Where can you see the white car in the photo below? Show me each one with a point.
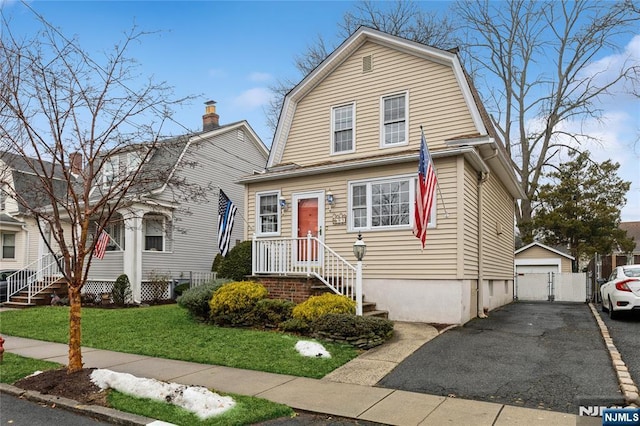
(622, 291)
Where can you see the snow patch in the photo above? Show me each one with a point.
(197, 399)
(312, 349)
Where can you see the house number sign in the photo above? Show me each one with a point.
(339, 219)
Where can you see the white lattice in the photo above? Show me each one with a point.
(97, 288)
(150, 292)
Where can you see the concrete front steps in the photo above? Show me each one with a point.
(21, 300)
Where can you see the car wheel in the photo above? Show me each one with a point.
(602, 306)
(612, 314)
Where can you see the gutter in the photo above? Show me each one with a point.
(469, 153)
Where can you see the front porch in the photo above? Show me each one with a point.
(297, 268)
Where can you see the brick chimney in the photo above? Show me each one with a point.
(210, 120)
(75, 163)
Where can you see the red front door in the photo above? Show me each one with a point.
(309, 219)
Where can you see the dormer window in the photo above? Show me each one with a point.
(342, 129)
(134, 159)
(109, 172)
(394, 110)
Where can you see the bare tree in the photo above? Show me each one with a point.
(536, 57)
(61, 109)
(404, 19)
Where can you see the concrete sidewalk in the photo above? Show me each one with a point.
(346, 392)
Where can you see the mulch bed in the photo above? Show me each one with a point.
(77, 386)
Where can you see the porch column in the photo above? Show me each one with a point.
(132, 259)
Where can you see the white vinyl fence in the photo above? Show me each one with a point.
(551, 286)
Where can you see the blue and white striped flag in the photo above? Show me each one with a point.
(226, 214)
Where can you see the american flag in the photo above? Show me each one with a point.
(101, 245)
(425, 189)
(226, 214)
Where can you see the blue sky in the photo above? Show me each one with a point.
(231, 51)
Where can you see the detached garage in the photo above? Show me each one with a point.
(538, 258)
(544, 273)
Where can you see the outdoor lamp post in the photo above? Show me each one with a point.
(359, 250)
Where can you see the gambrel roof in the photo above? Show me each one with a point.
(484, 139)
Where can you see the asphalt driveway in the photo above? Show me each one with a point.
(538, 355)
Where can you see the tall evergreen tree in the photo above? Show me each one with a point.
(580, 208)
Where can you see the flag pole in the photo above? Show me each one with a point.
(446, 213)
(249, 227)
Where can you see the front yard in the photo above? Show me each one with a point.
(167, 331)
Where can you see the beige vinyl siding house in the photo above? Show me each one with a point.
(352, 129)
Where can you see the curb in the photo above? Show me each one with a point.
(95, 411)
(627, 386)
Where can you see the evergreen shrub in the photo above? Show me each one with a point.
(237, 264)
(121, 293)
(363, 332)
(196, 299)
(232, 303)
(270, 313)
(319, 306)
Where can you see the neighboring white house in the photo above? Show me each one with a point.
(160, 232)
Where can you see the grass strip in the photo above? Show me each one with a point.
(248, 410)
(15, 367)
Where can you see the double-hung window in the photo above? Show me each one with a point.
(268, 213)
(386, 203)
(394, 120)
(110, 171)
(154, 226)
(8, 246)
(342, 129)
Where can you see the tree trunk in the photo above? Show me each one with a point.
(75, 330)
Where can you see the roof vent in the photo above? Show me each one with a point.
(367, 63)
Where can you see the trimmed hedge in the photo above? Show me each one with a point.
(270, 313)
(362, 332)
(232, 303)
(319, 306)
(237, 264)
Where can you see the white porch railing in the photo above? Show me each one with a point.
(307, 256)
(35, 277)
(199, 278)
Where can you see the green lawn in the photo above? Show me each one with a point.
(168, 332)
(248, 410)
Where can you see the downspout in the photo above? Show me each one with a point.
(482, 178)
(26, 247)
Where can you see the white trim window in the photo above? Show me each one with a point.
(394, 112)
(343, 120)
(134, 160)
(8, 245)
(3, 198)
(386, 203)
(115, 230)
(268, 213)
(110, 170)
(153, 227)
